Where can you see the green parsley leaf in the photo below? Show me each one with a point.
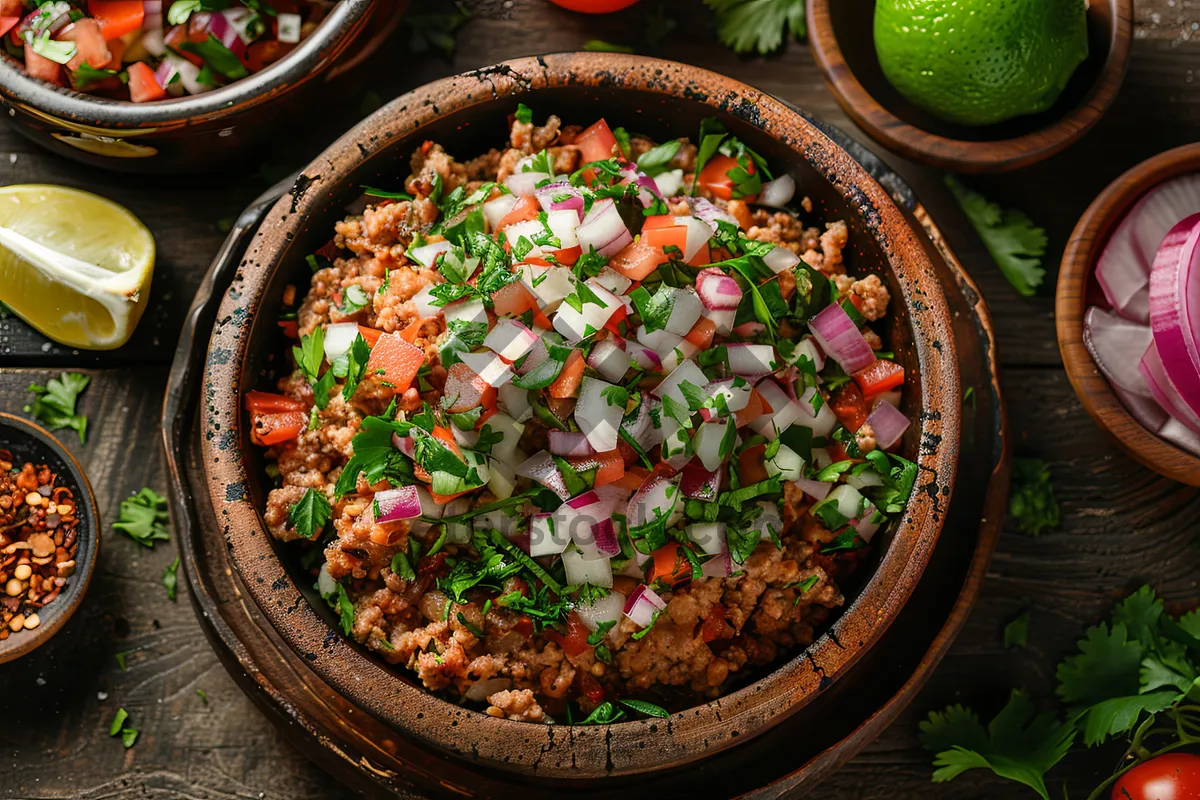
(59, 52)
(1014, 242)
(345, 610)
(120, 657)
(657, 160)
(202, 695)
(356, 365)
(524, 114)
(217, 56)
(649, 709)
(310, 514)
(54, 403)
(1032, 502)
(1016, 632)
(170, 579)
(144, 517)
(371, 191)
(601, 46)
(1017, 744)
(180, 10)
(402, 567)
(757, 25)
(604, 714)
(86, 75)
(129, 737)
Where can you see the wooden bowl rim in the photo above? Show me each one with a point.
(1083, 249)
(27, 641)
(511, 745)
(961, 155)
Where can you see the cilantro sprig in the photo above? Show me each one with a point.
(54, 403)
(757, 25)
(144, 517)
(1014, 242)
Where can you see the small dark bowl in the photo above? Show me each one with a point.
(841, 35)
(29, 442)
(1075, 287)
(202, 132)
(468, 114)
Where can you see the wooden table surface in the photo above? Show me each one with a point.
(1122, 525)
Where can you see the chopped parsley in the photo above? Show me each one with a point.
(1032, 503)
(1014, 242)
(310, 514)
(144, 518)
(170, 579)
(54, 403)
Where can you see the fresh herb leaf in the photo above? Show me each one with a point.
(54, 403)
(85, 76)
(1014, 242)
(1032, 502)
(604, 714)
(129, 737)
(310, 514)
(757, 25)
(118, 722)
(371, 191)
(402, 567)
(356, 365)
(202, 695)
(524, 114)
(1016, 632)
(180, 10)
(600, 46)
(217, 56)
(170, 579)
(649, 709)
(657, 160)
(434, 30)
(144, 517)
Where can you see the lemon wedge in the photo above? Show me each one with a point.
(74, 265)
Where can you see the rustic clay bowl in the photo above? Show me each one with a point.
(841, 35)
(201, 133)
(1077, 290)
(468, 114)
(29, 442)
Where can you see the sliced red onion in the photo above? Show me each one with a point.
(719, 566)
(718, 291)
(643, 604)
(780, 258)
(641, 427)
(708, 212)
(889, 424)
(605, 609)
(540, 467)
(723, 320)
(597, 416)
(686, 309)
(153, 41)
(1144, 409)
(602, 229)
(580, 570)
(817, 490)
(497, 209)
(1181, 435)
(645, 358)
(1164, 391)
(1123, 270)
(698, 483)
(809, 348)
(570, 198)
(223, 28)
(404, 444)
(545, 539)
(840, 338)
(397, 504)
(777, 193)
(152, 14)
(1117, 345)
(570, 443)
(669, 183)
(1175, 308)
(751, 361)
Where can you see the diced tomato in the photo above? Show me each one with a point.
(269, 429)
(702, 333)
(91, 46)
(574, 642)
(409, 334)
(371, 335)
(589, 687)
(610, 467)
(524, 627)
(837, 452)
(567, 382)
(638, 259)
(525, 209)
(850, 407)
(116, 48)
(662, 238)
(466, 389)
(594, 6)
(291, 328)
(882, 376)
(7, 24)
(658, 221)
(714, 626)
(177, 35)
(431, 565)
(715, 177)
(262, 54)
(703, 256)
(670, 565)
(487, 414)
(143, 86)
(596, 143)
(513, 300)
(117, 17)
(395, 361)
(755, 408)
(633, 478)
(442, 499)
(328, 251)
(271, 403)
(751, 467)
(567, 255)
(614, 322)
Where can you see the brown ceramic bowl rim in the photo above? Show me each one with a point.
(1083, 249)
(638, 745)
(55, 614)
(65, 103)
(958, 154)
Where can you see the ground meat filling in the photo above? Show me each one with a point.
(711, 630)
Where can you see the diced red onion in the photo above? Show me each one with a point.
(397, 504)
(606, 609)
(603, 229)
(698, 235)
(1175, 308)
(718, 291)
(840, 338)
(751, 361)
(719, 566)
(569, 443)
(643, 603)
(777, 193)
(581, 570)
(222, 27)
(699, 483)
(707, 211)
(525, 182)
(780, 258)
(1176, 433)
(540, 467)
(888, 423)
(537, 354)
(497, 209)
(609, 359)
(427, 254)
(165, 72)
(655, 499)
(289, 27)
(152, 14)
(641, 427)
(646, 358)
(817, 490)
(404, 444)
(865, 527)
(572, 202)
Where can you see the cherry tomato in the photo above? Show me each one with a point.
(594, 6)
(1173, 776)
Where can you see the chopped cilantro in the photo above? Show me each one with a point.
(144, 517)
(170, 579)
(1032, 502)
(1014, 242)
(310, 514)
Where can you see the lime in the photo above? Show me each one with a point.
(73, 265)
(978, 62)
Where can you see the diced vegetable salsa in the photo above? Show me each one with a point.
(146, 50)
(588, 418)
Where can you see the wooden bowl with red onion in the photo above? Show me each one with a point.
(1128, 311)
(498, 538)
